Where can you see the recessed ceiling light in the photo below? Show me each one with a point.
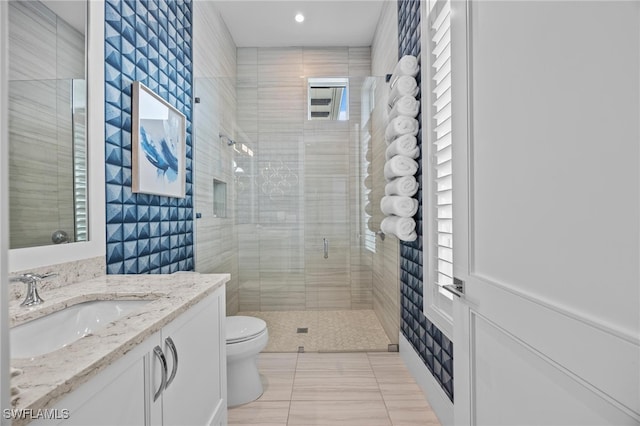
(299, 17)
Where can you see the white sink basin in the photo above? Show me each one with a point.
(59, 329)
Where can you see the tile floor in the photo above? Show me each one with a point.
(335, 389)
(328, 331)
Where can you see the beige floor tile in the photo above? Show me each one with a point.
(279, 362)
(277, 386)
(401, 391)
(411, 413)
(389, 368)
(334, 362)
(338, 413)
(331, 385)
(260, 413)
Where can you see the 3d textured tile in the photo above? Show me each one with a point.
(150, 42)
(435, 349)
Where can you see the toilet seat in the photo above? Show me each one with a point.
(241, 328)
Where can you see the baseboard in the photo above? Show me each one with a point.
(439, 401)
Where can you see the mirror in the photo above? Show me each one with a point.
(328, 98)
(47, 123)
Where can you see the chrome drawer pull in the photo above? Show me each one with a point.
(174, 355)
(157, 351)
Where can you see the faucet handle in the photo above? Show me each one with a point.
(31, 279)
(30, 276)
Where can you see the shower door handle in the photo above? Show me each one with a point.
(325, 243)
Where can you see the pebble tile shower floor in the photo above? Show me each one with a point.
(328, 331)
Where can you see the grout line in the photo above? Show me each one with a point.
(295, 370)
(384, 401)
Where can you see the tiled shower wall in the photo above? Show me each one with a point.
(298, 182)
(151, 42)
(386, 270)
(214, 69)
(433, 347)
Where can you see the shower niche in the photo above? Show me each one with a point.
(219, 198)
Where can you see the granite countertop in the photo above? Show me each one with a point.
(40, 382)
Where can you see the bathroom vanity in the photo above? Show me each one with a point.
(161, 363)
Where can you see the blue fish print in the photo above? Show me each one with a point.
(164, 160)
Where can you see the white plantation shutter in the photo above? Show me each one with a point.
(442, 218)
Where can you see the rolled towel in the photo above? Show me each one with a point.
(406, 105)
(399, 206)
(407, 186)
(371, 225)
(368, 209)
(368, 182)
(404, 85)
(401, 227)
(401, 125)
(400, 166)
(406, 145)
(407, 65)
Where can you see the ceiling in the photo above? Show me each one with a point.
(270, 23)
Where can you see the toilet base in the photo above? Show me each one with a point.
(243, 378)
(245, 384)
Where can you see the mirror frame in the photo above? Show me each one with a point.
(5, 392)
(34, 257)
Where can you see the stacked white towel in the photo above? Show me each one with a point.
(401, 126)
(401, 227)
(406, 145)
(406, 186)
(403, 86)
(406, 105)
(400, 166)
(401, 153)
(399, 206)
(407, 65)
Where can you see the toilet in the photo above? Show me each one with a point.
(246, 337)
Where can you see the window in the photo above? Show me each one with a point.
(439, 186)
(328, 98)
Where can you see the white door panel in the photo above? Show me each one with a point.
(555, 153)
(599, 359)
(547, 207)
(539, 382)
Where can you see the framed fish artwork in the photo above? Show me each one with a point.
(158, 139)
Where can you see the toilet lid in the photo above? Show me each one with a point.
(241, 328)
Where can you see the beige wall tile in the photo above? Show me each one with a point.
(280, 55)
(359, 61)
(314, 200)
(386, 259)
(216, 242)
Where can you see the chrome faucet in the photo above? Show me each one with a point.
(32, 297)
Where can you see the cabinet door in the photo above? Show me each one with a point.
(116, 396)
(197, 394)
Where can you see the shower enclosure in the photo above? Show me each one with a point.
(299, 199)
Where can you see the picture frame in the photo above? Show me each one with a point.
(158, 145)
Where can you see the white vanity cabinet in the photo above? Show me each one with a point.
(196, 388)
(123, 394)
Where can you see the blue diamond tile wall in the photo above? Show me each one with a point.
(149, 41)
(434, 348)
